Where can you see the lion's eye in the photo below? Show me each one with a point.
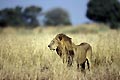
(52, 41)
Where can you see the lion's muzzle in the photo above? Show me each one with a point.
(50, 47)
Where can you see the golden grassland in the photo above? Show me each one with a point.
(24, 54)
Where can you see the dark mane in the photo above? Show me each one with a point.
(68, 47)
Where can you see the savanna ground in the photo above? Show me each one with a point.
(24, 54)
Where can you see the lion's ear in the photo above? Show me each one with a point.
(60, 38)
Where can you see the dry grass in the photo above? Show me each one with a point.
(27, 57)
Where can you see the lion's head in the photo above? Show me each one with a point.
(53, 44)
(59, 41)
(63, 46)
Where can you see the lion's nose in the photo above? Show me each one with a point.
(48, 45)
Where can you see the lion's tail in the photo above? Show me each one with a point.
(89, 54)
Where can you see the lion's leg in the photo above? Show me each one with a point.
(70, 60)
(63, 58)
(70, 57)
(89, 57)
(82, 66)
(88, 64)
(66, 58)
(78, 66)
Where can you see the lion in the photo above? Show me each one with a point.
(62, 44)
(69, 52)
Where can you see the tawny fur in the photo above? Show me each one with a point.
(68, 51)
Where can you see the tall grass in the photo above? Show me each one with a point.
(27, 57)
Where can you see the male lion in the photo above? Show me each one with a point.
(68, 50)
(63, 46)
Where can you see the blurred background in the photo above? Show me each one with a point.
(28, 26)
(30, 14)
